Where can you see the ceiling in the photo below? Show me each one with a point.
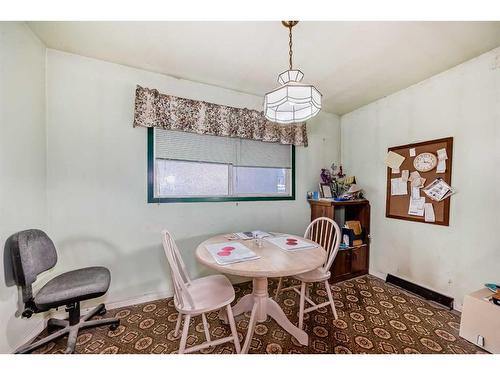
(351, 63)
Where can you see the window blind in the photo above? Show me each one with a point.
(176, 145)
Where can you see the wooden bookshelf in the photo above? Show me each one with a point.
(351, 261)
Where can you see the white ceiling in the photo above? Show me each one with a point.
(351, 63)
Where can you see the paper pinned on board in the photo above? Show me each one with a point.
(438, 190)
(416, 207)
(405, 174)
(418, 182)
(394, 160)
(413, 175)
(413, 153)
(415, 193)
(442, 157)
(441, 154)
(398, 186)
(394, 170)
(441, 166)
(429, 213)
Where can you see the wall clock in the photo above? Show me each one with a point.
(425, 162)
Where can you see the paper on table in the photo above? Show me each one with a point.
(415, 192)
(252, 234)
(394, 160)
(405, 174)
(398, 186)
(429, 213)
(416, 207)
(230, 252)
(412, 152)
(291, 243)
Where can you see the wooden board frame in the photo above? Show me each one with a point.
(394, 203)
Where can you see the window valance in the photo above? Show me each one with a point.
(153, 109)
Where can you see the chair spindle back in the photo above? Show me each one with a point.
(325, 232)
(178, 273)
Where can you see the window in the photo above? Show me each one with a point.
(186, 167)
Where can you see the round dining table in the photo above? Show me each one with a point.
(273, 262)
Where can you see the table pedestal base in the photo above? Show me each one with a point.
(261, 306)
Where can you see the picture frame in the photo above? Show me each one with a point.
(325, 190)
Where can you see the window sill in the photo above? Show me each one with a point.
(217, 199)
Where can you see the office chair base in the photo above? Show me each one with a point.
(71, 327)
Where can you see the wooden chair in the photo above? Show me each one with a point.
(325, 232)
(197, 297)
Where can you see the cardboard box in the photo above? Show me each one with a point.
(480, 322)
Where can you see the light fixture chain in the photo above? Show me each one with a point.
(290, 53)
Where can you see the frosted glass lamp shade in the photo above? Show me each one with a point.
(293, 101)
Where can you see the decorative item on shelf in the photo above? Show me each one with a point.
(355, 225)
(339, 182)
(325, 190)
(326, 176)
(354, 192)
(293, 101)
(347, 236)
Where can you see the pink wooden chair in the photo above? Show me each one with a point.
(326, 233)
(197, 297)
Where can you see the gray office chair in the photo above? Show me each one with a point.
(33, 252)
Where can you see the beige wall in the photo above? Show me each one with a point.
(464, 103)
(97, 177)
(22, 159)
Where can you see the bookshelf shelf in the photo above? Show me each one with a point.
(352, 261)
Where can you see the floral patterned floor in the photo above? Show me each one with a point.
(374, 317)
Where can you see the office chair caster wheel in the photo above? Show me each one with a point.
(113, 327)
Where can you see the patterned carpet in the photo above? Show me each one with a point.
(374, 317)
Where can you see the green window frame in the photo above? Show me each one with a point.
(151, 183)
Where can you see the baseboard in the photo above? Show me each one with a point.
(138, 300)
(421, 291)
(61, 314)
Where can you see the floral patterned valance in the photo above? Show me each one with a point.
(153, 109)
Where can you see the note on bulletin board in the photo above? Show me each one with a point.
(434, 160)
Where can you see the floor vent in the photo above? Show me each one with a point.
(420, 291)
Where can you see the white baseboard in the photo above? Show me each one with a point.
(38, 327)
(139, 299)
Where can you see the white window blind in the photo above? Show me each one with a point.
(193, 165)
(175, 145)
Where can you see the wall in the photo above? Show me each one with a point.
(97, 177)
(463, 102)
(22, 160)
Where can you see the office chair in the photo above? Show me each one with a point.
(33, 252)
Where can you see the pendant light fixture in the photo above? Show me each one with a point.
(293, 101)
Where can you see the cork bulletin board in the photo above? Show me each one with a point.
(397, 205)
